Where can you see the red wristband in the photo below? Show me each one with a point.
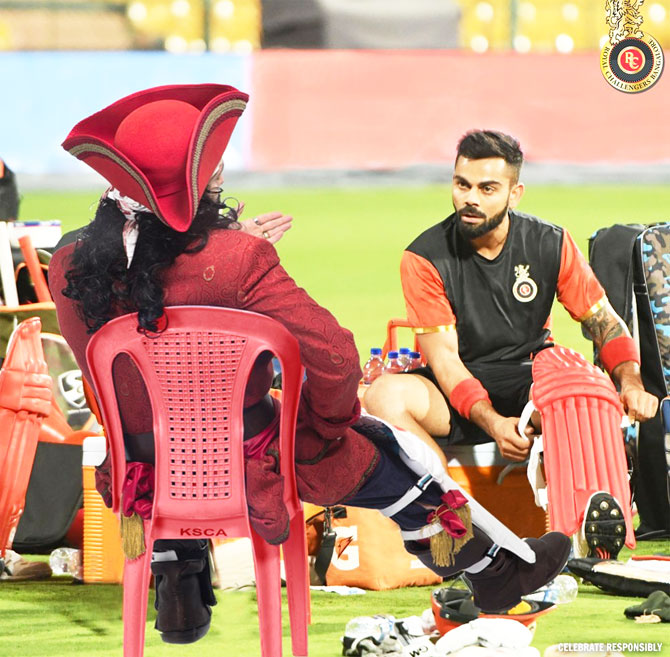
(466, 394)
(619, 351)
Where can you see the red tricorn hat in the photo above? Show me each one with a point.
(161, 146)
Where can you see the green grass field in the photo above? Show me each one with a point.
(345, 244)
(344, 249)
(59, 619)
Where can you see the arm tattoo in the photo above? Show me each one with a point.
(604, 326)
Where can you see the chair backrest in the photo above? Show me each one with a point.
(195, 373)
(392, 327)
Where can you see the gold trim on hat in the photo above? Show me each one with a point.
(102, 150)
(212, 117)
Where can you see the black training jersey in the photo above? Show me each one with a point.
(501, 306)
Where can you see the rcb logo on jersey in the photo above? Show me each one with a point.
(524, 288)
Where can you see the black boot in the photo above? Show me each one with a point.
(183, 598)
(500, 585)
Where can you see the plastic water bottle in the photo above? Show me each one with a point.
(563, 589)
(404, 358)
(415, 360)
(376, 627)
(393, 364)
(428, 621)
(374, 366)
(66, 561)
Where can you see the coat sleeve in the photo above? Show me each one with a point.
(329, 401)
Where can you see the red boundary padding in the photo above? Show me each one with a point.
(398, 108)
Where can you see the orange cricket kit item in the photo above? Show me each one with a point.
(25, 400)
(368, 552)
(581, 432)
(454, 607)
(484, 474)
(35, 269)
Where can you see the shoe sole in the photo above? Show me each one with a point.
(604, 528)
(186, 636)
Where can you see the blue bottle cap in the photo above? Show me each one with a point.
(405, 351)
(415, 354)
(376, 351)
(393, 354)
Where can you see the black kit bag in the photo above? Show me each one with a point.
(55, 492)
(632, 262)
(53, 498)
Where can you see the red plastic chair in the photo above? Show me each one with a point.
(25, 400)
(392, 327)
(196, 372)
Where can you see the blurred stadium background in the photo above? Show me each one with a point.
(356, 107)
(420, 71)
(243, 26)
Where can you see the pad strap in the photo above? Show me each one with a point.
(619, 351)
(535, 475)
(425, 532)
(412, 494)
(485, 561)
(466, 394)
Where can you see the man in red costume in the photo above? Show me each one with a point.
(161, 237)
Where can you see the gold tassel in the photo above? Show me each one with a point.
(132, 535)
(443, 546)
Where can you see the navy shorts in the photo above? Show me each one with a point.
(508, 384)
(389, 481)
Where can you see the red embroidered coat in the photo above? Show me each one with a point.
(236, 270)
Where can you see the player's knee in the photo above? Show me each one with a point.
(384, 396)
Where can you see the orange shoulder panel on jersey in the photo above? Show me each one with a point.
(578, 289)
(428, 309)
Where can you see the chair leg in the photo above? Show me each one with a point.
(268, 593)
(297, 584)
(136, 575)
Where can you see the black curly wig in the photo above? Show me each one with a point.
(102, 284)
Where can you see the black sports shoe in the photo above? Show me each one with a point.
(184, 594)
(604, 528)
(503, 583)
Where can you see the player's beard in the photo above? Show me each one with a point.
(471, 232)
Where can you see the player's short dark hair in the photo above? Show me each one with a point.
(480, 144)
